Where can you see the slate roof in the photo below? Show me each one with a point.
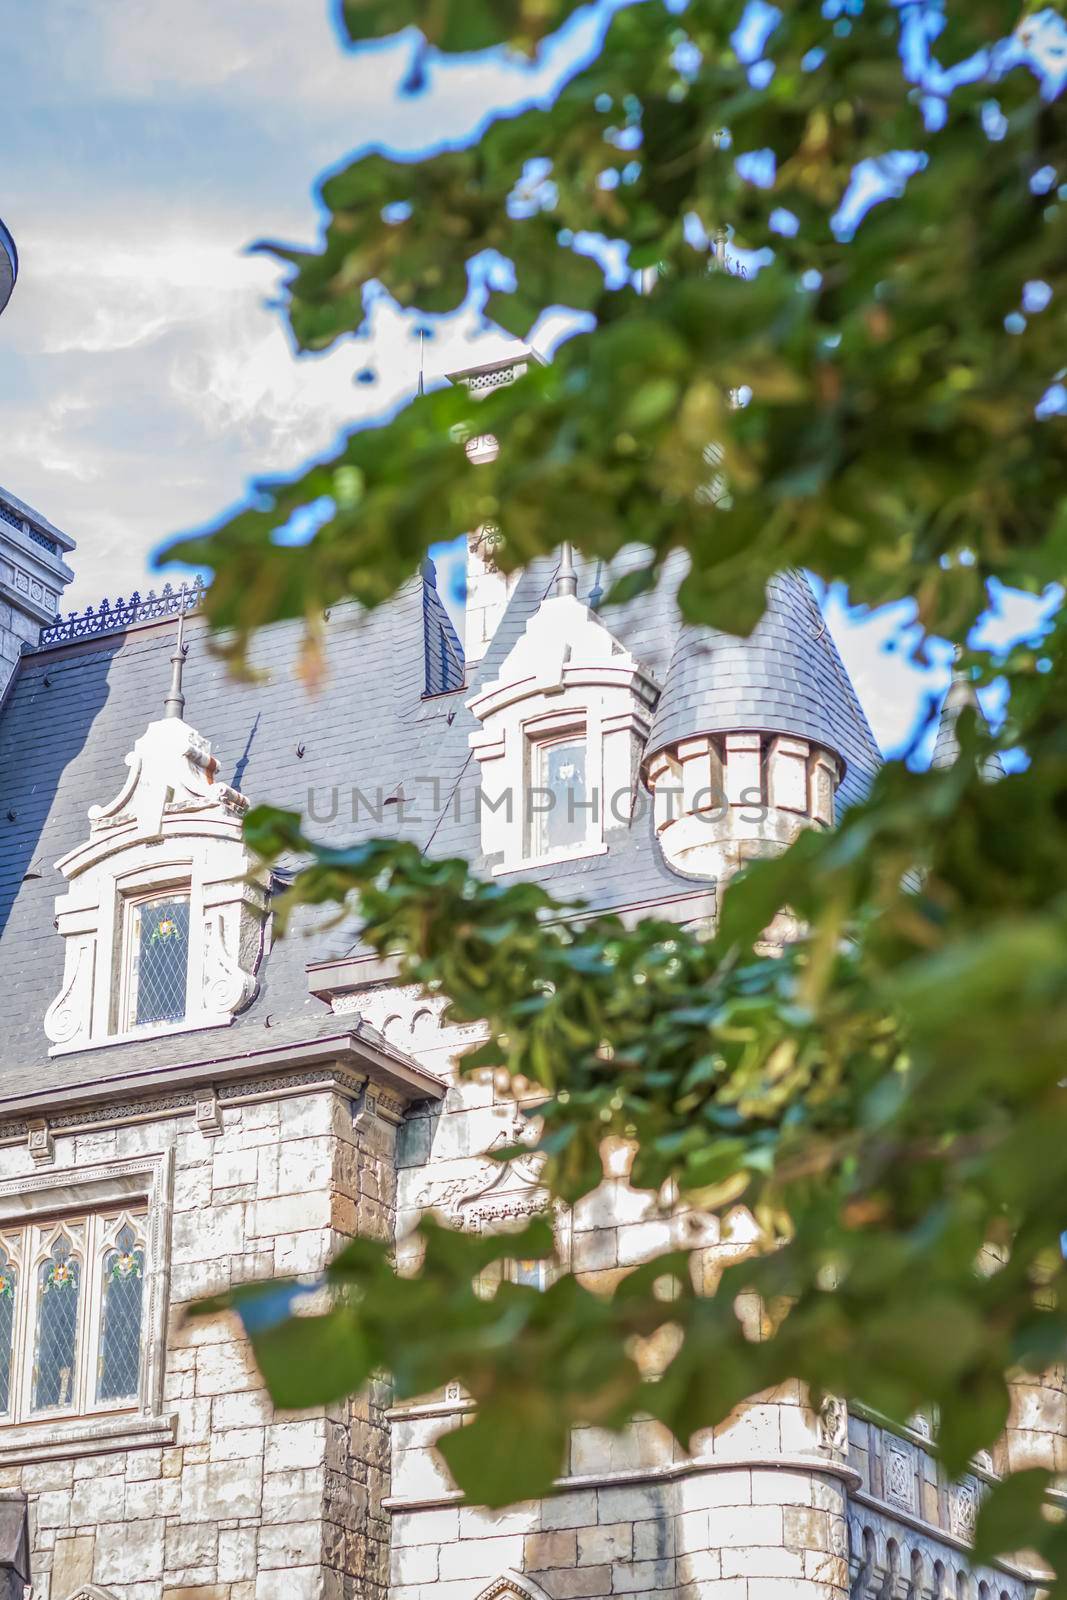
(787, 677)
(369, 753)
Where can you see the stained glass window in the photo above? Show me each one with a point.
(533, 1273)
(120, 1326)
(559, 804)
(159, 959)
(58, 1294)
(8, 1288)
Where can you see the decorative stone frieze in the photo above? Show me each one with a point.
(172, 828)
(566, 676)
(723, 799)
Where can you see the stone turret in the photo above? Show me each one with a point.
(33, 573)
(753, 738)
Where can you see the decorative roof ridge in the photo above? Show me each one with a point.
(135, 612)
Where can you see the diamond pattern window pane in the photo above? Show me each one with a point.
(161, 958)
(120, 1330)
(8, 1288)
(58, 1294)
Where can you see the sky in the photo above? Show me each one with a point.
(146, 374)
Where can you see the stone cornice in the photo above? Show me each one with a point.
(345, 1052)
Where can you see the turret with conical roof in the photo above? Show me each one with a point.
(755, 738)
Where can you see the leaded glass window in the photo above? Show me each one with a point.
(8, 1290)
(120, 1319)
(73, 1305)
(559, 804)
(58, 1296)
(158, 959)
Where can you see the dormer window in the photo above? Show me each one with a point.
(157, 959)
(165, 910)
(562, 729)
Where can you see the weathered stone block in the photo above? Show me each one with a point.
(294, 1445)
(218, 1490)
(556, 1549)
(152, 1497)
(237, 1554)
(575, 1583)
(575, 1509)
(613, 1541)
(290, 1544)
(96, 1500)
(72, 1564)
(118, 1558)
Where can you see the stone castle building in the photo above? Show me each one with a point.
(186, 1104)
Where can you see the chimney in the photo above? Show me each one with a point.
(488, 589)
(33, 576)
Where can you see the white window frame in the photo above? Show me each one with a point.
(540, 735)
(36, 1207)
(131, 903)
(535, 823)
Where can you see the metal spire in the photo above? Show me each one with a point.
(566, 577)
(421, 390)
(174, 704)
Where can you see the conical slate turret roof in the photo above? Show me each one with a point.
(786, 677)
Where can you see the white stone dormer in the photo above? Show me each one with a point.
(563, 727)
(165, 912)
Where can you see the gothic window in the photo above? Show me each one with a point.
(157, 954)
(59, 1282)
(8, 1289)
(559, 807)
(122, 1292)
(71, 1322)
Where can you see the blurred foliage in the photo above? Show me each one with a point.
(885, 1097)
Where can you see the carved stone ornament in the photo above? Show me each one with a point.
(963, 1508)
(39, 1142)
(173, 829)
(90, 1591)
(510, 1586)
(566, 674)
(833, 1426)
(899, 1467)
(207, 1115)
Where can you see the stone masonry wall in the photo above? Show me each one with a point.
(245, 1503)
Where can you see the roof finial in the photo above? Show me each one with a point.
(174, 704)
(566, 577)
(421, 390)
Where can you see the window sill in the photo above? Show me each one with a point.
(550, 859)
(155, 1030)
(83, 1436)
